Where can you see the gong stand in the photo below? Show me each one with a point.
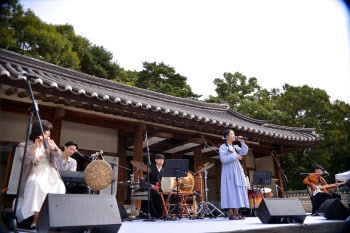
(134, 186)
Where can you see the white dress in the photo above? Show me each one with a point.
(42, 180)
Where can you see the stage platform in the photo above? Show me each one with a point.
(312, 224)
(315, 224)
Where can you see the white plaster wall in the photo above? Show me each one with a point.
(13, 127)
(90, 137)
(265, 164)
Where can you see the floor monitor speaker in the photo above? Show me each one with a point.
(281, 210)
(78, 213)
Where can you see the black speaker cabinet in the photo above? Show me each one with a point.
(333, 209)
(281, 210)
(78, 213)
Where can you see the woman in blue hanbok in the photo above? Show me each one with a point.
(233, 184)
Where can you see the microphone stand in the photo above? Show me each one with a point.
(33, 109)
(149, 218)
(284, 177)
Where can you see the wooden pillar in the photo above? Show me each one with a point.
(198, 159)
(138, 156)
(122, 162)
(177, 155)
(218, 177)
(57, 125)
(138, 147)
(279, 177)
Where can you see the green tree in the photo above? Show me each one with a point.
(163, 78)
(300, 106)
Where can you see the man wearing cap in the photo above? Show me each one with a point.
(65, 162)
(155, 175)
(314, 180)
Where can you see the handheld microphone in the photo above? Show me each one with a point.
(22, 73)
(241, 137)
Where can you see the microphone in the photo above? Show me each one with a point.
(22, 73)
(325, 172)
(205, 145)
(80, 154)
(241, 137)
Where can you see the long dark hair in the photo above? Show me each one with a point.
(227, 132)
(36, 128)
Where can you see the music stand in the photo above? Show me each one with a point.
(261, 178)
(177, 168)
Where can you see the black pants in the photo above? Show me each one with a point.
(322, 197)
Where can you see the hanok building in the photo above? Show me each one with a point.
(104, 115)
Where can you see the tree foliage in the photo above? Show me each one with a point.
(295, 106)
(23, 32)
(163, 78)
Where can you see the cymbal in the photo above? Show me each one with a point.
(204, 168)
(137, 164)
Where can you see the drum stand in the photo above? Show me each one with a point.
(133, 188)
(205, 205)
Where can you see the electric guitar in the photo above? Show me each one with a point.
(320, 187)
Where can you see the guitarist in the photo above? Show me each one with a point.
(317, 180)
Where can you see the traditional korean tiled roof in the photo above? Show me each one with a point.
(60, 80)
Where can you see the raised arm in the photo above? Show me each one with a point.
(225, 156)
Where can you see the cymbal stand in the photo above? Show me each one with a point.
(204, 209)
(134, 186)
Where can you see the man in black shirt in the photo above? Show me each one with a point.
(155, 175)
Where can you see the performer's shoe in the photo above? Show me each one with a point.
(241, 217)
(233, 217)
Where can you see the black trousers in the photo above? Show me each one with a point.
(322, 197)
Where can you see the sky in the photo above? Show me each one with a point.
(296, 42)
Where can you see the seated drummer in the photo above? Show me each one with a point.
(155, 175)
(66, 163)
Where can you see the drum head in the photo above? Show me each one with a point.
(98, 174)
(168, 183)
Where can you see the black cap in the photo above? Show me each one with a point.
(159, 156)
(319, 167)
(70, 143)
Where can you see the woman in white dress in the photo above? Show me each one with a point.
(40, 174)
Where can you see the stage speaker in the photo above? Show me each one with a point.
(281, 210)
(122, 211)
(78, 213)
(333, 209)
